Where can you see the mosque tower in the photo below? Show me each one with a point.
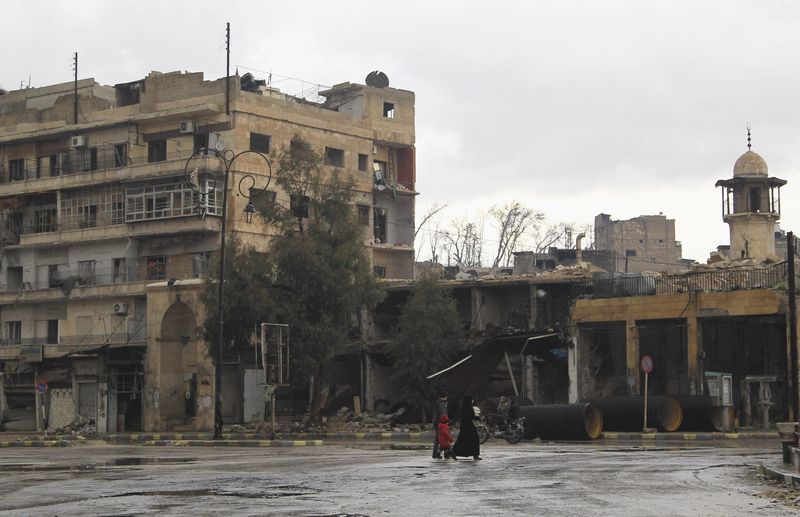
(751, 205)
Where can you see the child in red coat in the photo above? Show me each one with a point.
(443, 432)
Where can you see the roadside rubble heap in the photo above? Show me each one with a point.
(343, 421)
(79, 426)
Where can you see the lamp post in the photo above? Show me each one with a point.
(203, 183)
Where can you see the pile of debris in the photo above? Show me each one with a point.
(343, 421)
(81, 426)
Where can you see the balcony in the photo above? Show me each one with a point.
(67, 345)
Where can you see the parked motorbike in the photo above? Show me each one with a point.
(511, 430)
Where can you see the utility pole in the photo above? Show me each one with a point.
(795, 396)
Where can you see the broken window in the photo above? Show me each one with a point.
(200, 141)
(334, 156)
(86, 271)
(200, 263)
(363, 215)
(53, 275)
(379, 215)
(259, 143)
(120, 155)
(120, 273)
(14, 278)
(157, 150)
(87, 215)
(14, 332)
(299, 205)
(380, 271)
(630, 253)
(52, 332)
(16, 169)
(388, 109)
(157, 267)
(362, 162)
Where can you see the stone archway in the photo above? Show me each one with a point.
(179, 363)
(179, 322)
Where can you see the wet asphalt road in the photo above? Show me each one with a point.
(373, 479)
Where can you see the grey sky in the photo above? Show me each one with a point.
(573, 108)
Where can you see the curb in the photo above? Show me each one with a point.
(36, 443)
(158, 437)
(688, 437)
(234, 443)
(781, 474)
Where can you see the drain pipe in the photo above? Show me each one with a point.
(578, 255)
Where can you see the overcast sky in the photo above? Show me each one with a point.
(572, 108)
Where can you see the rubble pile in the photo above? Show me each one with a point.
(79, 426)
(343, 421)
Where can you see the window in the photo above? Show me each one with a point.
(120, 273)
(92, 155)
(14, 332)
(388, 109)
(200, 263)
(52, 332)
(16, 169)
(630, 253)
(755, 199)
(157, 267)
(14, 278)
(166, 199)
(259, 142)
(379, 215)
(299, 205)
(380, 271)
(200, 141)
(363, 215)
(44, 220)
(157, 150)
(120, 155)
(87, 215)
(86, 271)
(362, 162)
(53, 276)
(334, 156)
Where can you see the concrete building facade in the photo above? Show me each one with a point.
(104, 247)
(644, 243)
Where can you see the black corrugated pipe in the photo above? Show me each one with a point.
(627, 413)
(562, 422)
(696, 413)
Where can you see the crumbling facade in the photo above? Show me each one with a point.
(104, 246)
(644, 243)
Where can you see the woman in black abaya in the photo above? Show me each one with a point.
(468, 443)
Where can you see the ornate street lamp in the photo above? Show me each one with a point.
(204, 182)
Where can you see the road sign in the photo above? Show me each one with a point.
(41, 387)
(646, 363)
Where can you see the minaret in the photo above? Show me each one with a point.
(751, 205)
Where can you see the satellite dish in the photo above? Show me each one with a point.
(377, 79)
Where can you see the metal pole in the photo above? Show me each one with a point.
(220, 299)
(646, 375)
(228, 68)
(511, 373)
(795, 396)
(75, 88)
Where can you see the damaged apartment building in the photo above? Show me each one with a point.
(104, 246)
(726, 319)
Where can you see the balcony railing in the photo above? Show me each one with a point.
(118, 338)
(66, 164)
(731, 279)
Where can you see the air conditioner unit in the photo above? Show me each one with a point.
(77, 141)
(374, 149)
(120, 308)
(187, 126)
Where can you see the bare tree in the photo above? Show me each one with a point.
(433, 236)
(546, 236)
(514, 221)
(465, 242)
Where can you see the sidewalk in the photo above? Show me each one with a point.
(205, 439)
(781, 472)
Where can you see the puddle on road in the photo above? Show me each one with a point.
(116, 462)
(268, 493)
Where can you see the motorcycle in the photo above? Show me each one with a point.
(512, 430)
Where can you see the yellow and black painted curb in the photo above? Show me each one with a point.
(234, 443)
(689, 437)
(305, 437)
(35, 443)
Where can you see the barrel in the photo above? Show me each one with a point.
(627, 413)
(696, 413)
(562, 422)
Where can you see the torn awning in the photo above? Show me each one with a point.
(469, 374)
